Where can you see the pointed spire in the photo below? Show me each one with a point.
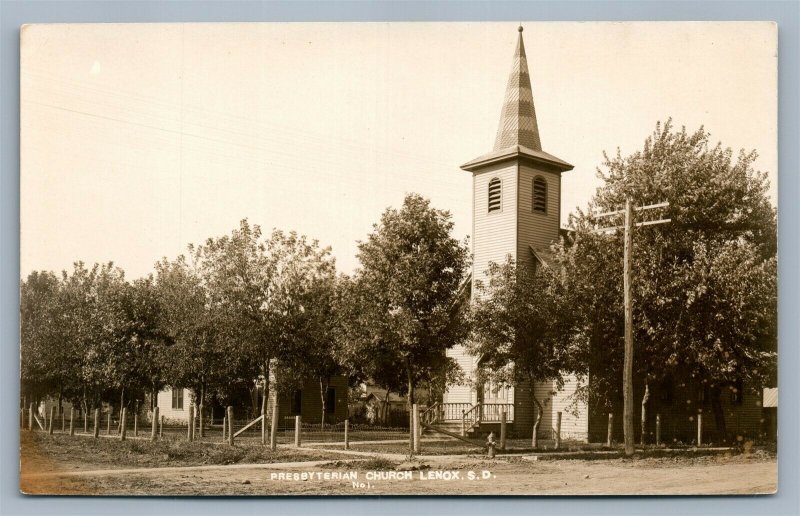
(518, 119)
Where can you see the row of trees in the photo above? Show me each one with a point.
(246, 307)
(704, 285)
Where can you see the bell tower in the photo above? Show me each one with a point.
(516, 197)
(516, 188)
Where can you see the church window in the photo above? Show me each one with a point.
(495, 194)
(539, 194)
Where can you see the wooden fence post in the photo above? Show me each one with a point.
(123, 424)
(108, 427)
(52, 417)
(558, 430)
(154, 424)
(415, 427)
(346, 434)
(699, 428)
(71, 421)
(230, 426)
(200, 420)
(264, 423)
(96, 423)
(658, 429)
(224, 428)
(503, 423)
(297, 431)
(190, 423)
(610, 429)
(85, 421)
(161, 428)
(62, 419)
(30, 418)
(463, 425)
(273, 436)
(135, 424)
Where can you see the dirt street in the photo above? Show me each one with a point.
(467, 476)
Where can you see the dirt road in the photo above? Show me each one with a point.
(465, 476)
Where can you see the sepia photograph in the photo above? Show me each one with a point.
(398, 259)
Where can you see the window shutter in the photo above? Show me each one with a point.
(539, 194)
(495, 195)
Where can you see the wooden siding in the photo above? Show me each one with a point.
(573, 425)
(165, 405)
(574, 414)
(461, 393)
(493, 234)
(679, 416)
(311, 403)
(536, 229)
(493, 240)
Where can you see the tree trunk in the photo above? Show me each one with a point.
(719, 414)
(410, 405)
(644, 411)
(384, 416)
(410, 396)
(121, 406)
(200, 408)
(537, 422)
(264, 401)
(322, 391)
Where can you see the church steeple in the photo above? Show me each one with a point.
(518, 133)
(518, 119)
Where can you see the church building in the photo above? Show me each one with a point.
(516, 206)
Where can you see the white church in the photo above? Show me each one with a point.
(516, 203)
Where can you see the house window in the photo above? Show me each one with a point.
(495, 194)
(177, 399)
(539, 194)
(297, 402)
(330, 400)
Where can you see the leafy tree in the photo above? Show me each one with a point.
(261, 286)
(521, 329)
(704, 285)
(47, 359)
(406, 288)
(200, 356)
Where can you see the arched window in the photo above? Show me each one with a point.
(539, 194)
(495, 194)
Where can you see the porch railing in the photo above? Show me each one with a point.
(431, 414)
(491, 412)
(454, 411)
(470, 418)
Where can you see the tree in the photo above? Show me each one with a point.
(199, 355)
(47, 358)
(520, 329)
(146, 337)
(704, 285)
(406, 288)
(318, 335)
(260, 287)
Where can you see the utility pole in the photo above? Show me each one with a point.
(627, 373)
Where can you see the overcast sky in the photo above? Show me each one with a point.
(140, 139)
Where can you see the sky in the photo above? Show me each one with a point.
(138, 140)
